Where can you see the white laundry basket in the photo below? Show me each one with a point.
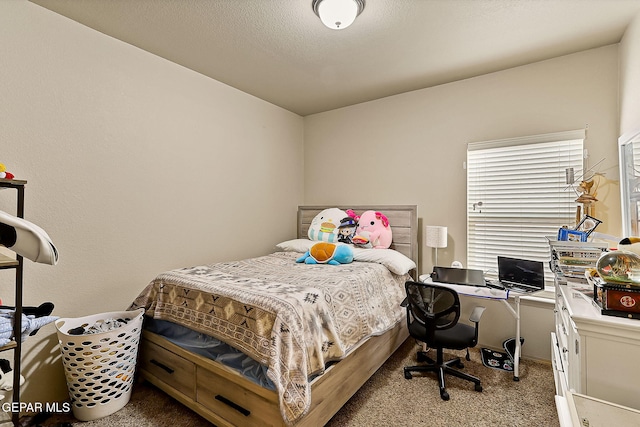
(99, 367)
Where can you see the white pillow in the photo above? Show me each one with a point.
(296, 245)
(395, 261)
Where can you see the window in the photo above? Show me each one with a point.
(629, 146)
(517, 194)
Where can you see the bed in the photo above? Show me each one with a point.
(308, 388)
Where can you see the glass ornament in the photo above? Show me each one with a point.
(619, 268)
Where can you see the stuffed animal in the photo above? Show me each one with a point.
(324, 227)
(327, 253)
(4, 174)
(361, 240)
(373, 227)
(347, 229)
(631, 244)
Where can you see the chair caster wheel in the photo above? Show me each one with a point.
(460, 365)
(444, 395)
(408, 375)
(478, 387)
(422, 356)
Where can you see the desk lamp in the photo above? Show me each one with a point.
(436, 238)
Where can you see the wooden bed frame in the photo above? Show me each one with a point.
(227, 399)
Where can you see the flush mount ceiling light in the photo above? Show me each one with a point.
(337, 14)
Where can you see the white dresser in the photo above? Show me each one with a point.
(595, 355)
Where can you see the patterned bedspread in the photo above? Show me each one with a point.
(294, 318)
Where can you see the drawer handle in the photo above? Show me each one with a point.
(162, 366)
(235, 406)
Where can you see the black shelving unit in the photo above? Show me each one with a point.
(8, 263)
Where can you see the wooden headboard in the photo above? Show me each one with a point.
(402, 218)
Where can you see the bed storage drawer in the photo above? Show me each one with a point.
(169, 368)
(238, 405)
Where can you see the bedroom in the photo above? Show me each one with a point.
(136, 164)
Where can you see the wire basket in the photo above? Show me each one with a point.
(570, 260)
(99, 367)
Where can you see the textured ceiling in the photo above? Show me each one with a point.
(279, 51)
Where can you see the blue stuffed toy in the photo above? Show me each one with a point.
(327, 253)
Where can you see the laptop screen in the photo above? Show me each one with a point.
(521, 271)
(458, 276)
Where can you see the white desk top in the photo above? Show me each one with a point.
(474, 291)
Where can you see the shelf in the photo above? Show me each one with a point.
(8, 262)
(9, 346)
(12, 182)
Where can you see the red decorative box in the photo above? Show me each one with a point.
(617, 300)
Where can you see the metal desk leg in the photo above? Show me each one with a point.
(516, 314)
(516, 356)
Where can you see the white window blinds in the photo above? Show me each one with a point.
(517, 194)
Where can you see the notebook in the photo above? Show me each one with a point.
(458, 276)
(520, 275)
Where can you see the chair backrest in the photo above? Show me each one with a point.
(436, 307)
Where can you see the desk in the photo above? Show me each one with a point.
(494, 294)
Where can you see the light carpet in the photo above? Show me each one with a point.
(387, 399)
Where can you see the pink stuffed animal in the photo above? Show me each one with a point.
(375, 225)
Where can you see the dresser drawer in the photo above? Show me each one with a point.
(169, 368)
(563, 324)
(238, 405)
(559, 373)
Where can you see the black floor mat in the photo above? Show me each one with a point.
(501, 360)
(496, 360)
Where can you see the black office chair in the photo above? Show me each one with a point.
(432, 316)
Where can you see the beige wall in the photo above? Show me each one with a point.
(410, 148)
(135, 165)
(630, 78)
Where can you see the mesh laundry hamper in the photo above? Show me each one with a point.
(99, 367)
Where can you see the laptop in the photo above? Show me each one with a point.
(458, 276)
(520, 275)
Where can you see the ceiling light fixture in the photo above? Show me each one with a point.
(337, 14)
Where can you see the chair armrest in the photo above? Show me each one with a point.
(476, 314)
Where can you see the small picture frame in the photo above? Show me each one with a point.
(588, 224)
(566, 235)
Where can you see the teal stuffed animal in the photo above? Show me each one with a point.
(327, 253)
